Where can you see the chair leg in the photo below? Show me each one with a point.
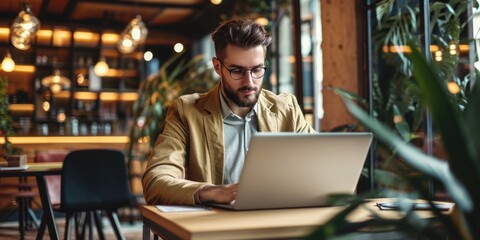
(32, 216)
(84, 224)
(79, 218)
(41, 229)
(68, 225)
(90, 227)
(112, 216)
(21, 217)
(98, 224)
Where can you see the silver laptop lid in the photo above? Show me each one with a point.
(286, 170)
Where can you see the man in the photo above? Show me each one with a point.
(199, 155)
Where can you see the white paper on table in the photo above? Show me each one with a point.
(24, 167)
(181, 208)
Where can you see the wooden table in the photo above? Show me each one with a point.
(258, 224)
(39, 171)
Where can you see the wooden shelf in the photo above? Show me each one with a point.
(73, 52)
(21, 107)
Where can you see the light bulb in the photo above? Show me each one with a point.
(216, 2)
(136, 33)
(46, 106)
(8, 65)
(178, 47)
(453, 87)
(101, 68)
(147, 56)
(56, 88)
(127, 43)
(137, 30)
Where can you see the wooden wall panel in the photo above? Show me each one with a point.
(340, 58)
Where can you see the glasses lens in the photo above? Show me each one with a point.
(237, 73)
(257, 72)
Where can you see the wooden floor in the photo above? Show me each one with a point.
(131, 231)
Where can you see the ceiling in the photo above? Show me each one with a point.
(168, 21)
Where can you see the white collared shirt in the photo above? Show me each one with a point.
(237, 134)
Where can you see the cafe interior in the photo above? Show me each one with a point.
(89, 75)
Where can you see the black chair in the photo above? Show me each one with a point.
(22, 195)
(94, 180)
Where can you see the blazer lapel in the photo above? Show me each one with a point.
(213, 127)
(267, 120)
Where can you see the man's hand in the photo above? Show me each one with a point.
(218, 193)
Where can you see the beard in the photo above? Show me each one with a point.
(238, 98)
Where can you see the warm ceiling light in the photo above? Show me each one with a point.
(453, 87)
(125, 45)
(56, 82)
(8, 65)
(101, 68)
(81, 81)
(134, 34)
(178, 47)
(262, 21)
(137, 30)
(216, 2)
(147, 56)
(46, 106)
(24, 28)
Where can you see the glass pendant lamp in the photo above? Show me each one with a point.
(24, 28)
(134, 34)
(56, 82)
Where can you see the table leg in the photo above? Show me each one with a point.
(146, 232)
(47, 215)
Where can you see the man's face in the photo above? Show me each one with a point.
(241, 91)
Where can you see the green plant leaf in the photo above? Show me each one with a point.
(428, 165)
(458, 143)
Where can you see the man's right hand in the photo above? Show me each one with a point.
(217, 193)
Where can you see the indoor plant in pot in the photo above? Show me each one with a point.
(14, 156)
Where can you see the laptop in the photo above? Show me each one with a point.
(292, 170)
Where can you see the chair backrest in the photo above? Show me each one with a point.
(53, 182)
(94, 179)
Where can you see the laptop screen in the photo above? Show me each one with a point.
(286, 170)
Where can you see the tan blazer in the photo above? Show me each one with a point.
(190, 151)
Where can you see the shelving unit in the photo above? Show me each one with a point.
(92, 105)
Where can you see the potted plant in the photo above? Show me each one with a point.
(13, 155)
(460, 175)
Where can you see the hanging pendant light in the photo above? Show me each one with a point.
(101, 68)
(24, 28)
(134, 34)
(8, 65)
(56, 82)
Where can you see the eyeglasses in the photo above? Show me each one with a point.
(239, 73)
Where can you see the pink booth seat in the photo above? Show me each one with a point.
(53, 182)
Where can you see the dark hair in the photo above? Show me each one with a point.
(244, 33)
